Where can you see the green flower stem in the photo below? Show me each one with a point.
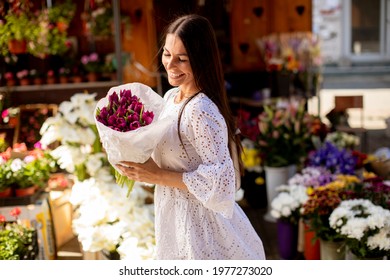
(97, 146)
(122, 180)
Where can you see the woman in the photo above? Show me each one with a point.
(196, 213)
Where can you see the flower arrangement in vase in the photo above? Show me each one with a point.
(296, 56)
(364, 226)
(285, 136)
(288, 202)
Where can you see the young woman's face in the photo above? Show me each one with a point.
(177, 64)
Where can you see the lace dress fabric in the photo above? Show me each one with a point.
(204, 222)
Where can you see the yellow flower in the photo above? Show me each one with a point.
(250, 157)
(259, 181)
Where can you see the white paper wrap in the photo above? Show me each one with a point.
(136, 145)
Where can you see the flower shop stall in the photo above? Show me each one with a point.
(343, 209)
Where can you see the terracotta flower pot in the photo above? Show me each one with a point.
(17, 46)
(51, 80)
(64, 80)
(6, 193)
(77, 79)
(38, 81)
(24, 82)
(26, 191)
(11, 82)
(92, 77)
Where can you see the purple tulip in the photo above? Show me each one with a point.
(147, 117)
(121, 112)
(113, 98)
(112, 120)
(134, 125)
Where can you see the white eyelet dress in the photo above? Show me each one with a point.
(204, 222)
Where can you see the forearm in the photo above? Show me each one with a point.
(172, 179)
(150, 173)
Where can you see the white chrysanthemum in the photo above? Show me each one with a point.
(355, 218)
(289, 199)
(381, 240)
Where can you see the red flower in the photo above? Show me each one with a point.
(15, 212)
(2, 219)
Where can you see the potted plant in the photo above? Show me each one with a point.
(6, 178)
(24, 77)
(10, 79)
(92, 65)
(32, 171)
(36, 76)
(62, 14)
(17, 240)
(51, 77)
(17, 30)
(64, 73)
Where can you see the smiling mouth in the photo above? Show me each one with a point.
(175, 76)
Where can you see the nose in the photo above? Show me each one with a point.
(169, 62)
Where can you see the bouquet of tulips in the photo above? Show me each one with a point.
(128, 125)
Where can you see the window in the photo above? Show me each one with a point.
(365, 30)
(365, 23)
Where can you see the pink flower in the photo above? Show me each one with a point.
(5, 113)
(22, 74)
(84, 59)
(15, 212)
(8, 75)
(93, 57)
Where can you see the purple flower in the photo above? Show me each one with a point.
(147, 117)
(123, 112)
(113, 98)
(112, 120)
(134, 125)
(133, 118)
(337, 161)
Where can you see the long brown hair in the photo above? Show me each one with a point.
(199, 40)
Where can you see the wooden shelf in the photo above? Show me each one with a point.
(54, 93)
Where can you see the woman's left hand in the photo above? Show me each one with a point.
(147, 172)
